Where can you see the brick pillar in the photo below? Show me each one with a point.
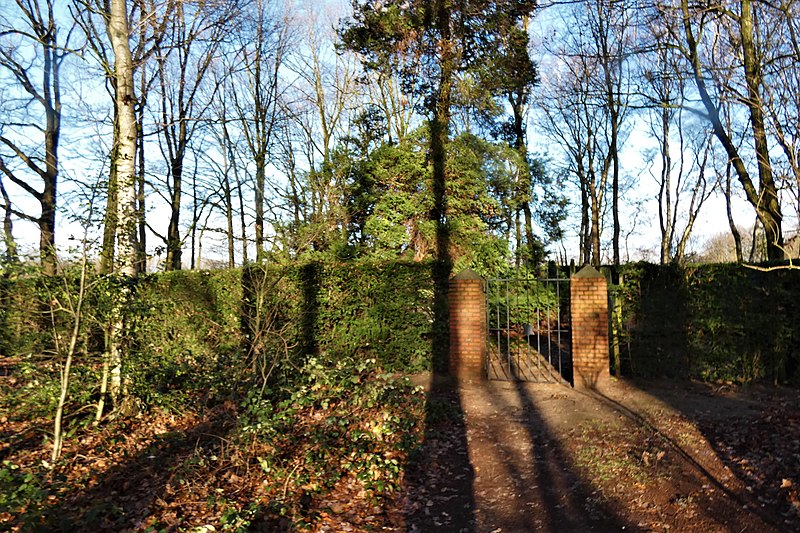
(589, 309)
(467, 325)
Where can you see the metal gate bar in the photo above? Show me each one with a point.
(528, 323)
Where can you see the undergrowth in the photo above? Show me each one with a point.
(280, 459)
(346, 427)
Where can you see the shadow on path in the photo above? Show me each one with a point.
(527, 482)
(748, 443)
(439, 477)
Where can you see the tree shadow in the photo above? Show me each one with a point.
(439, 476)
(27, 440)
(656, 327)
(125, 495)
(546, 492)
(438, 489)
(737, 430)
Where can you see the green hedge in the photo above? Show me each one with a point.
(213, 329)
(380, 311)
(724, 322)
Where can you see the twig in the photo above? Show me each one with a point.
(289, 477)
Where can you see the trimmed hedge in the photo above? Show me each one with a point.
(223, 329)
(216, 329)
(723, 322)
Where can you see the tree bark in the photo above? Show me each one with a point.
(125, 157)
(124, 164)
(52, 97)
(768, 204)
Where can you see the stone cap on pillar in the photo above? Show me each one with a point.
(467, 273)
(588, 272)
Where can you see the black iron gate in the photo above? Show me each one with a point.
(529, 330)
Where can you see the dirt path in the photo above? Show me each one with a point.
(508, 457)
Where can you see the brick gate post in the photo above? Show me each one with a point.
(467, 325)
(589, 309)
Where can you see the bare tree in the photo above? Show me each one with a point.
(320, 102)
(611, 26)
(569, 114)
(684, 145)
(124, 170)
(724, 37)
(148, 22)
(779, 27)
(385, 91)
(184, 61)
(254, 93)
(585, 102)
(31, 46)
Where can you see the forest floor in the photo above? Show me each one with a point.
(492, 457)
(651, 456)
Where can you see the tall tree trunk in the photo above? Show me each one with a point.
(195, 260)
(51, 91)
(594, 231)
(768, 206)
(229, 220)
(529, 236)
(110, 217)
(518, 108)
(242, 220)
(47, 222)
(665, 189)
(615, 187)
(173, 258)
(613, 153)
(737, 238)
(228, 198)
(142, 178)
(124, 163)
(259, 209)
(585, 231)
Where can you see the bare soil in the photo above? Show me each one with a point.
(655, 456)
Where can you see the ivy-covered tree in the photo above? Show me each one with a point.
(429, 43)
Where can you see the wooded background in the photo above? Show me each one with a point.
(190, 134)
